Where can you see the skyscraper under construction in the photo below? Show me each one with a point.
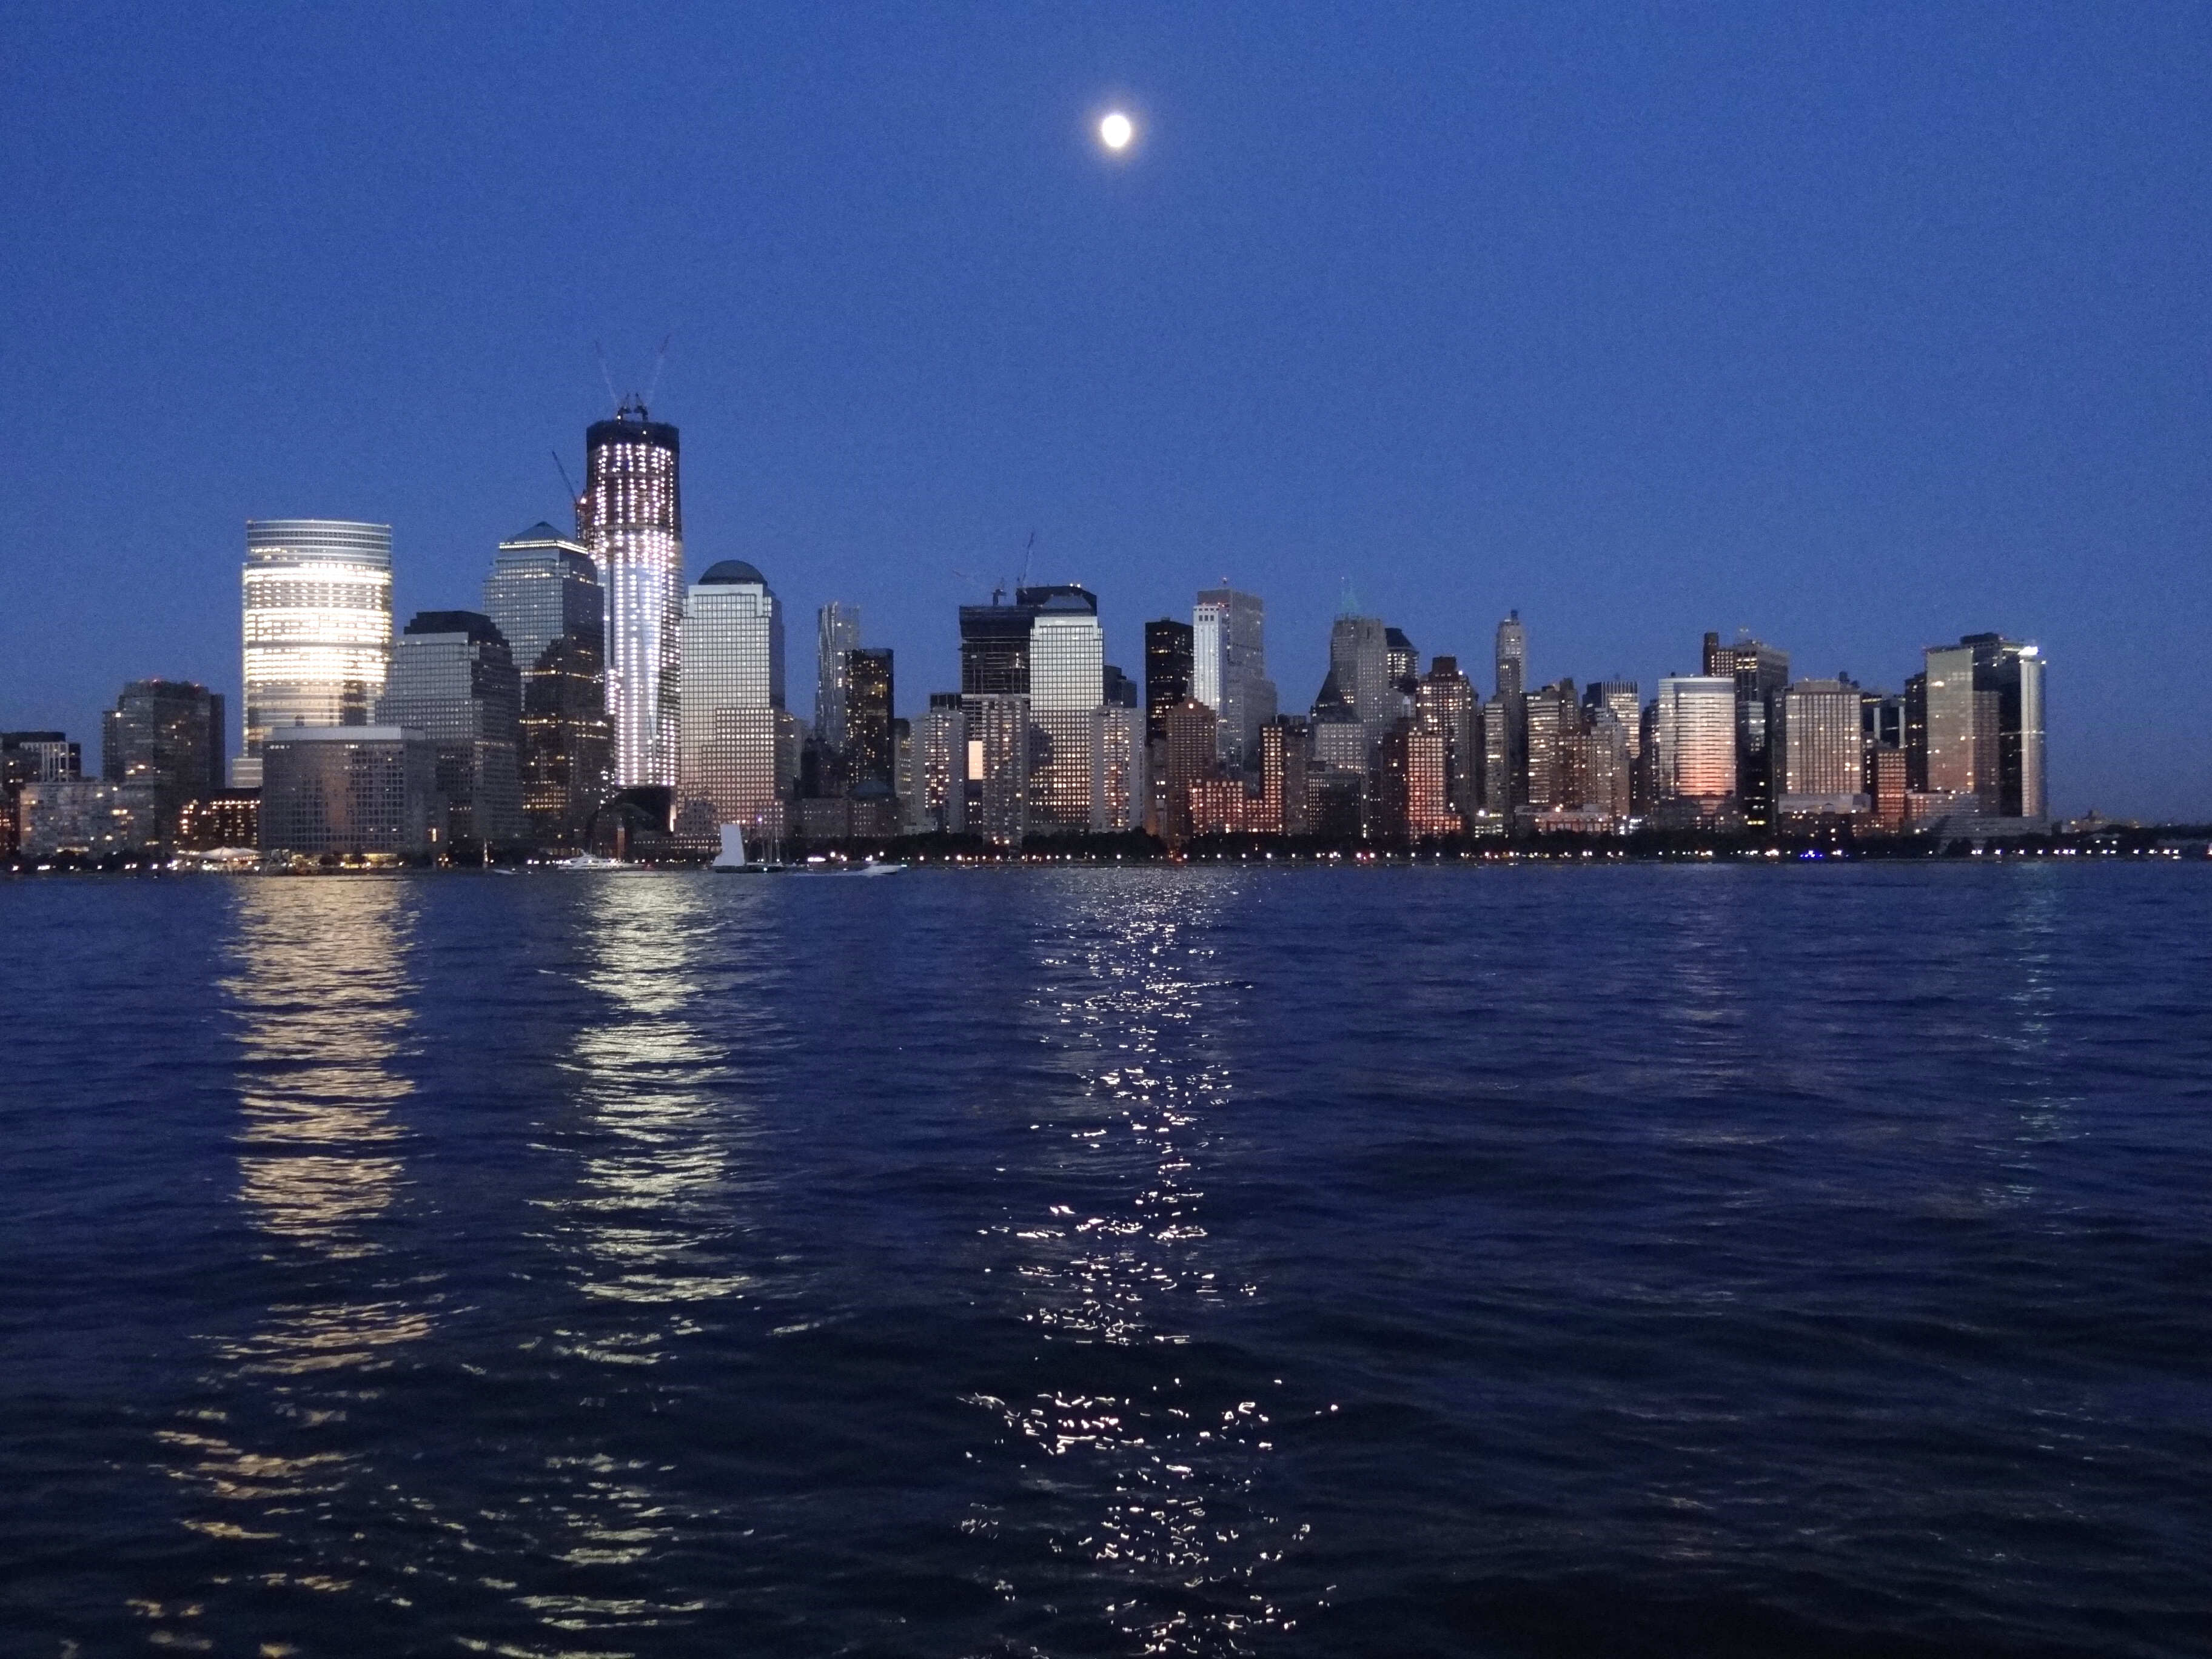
(630, 518)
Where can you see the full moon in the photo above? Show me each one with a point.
(1115, 132)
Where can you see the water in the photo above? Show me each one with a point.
(1647, 1259)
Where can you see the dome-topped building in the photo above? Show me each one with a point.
(731, 573)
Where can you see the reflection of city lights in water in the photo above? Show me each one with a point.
(320, 1002)
(649, 1210)
(1123, 1263)
(318, 998)
(646, 1227)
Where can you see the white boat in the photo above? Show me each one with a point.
(590, 861)
(732, 861)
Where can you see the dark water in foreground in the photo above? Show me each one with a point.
(1628, 1261)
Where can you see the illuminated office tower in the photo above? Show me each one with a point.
(937, 794)
(167, 735)
(630, 519)
(867, 714)
(998, 776)
(1983, 722)
(1822, 746)
(1066, 688)
(544, 596)
(1694, 741)
(1412, 778)
(736, 766)
(1600, 775)
(1282, 756)
(1551, 719)
(1512, 660)
(1191, 746)
(1620, 699)
(317, 627)
(837, 631)
(454, 680)
(1759, 672)
(1444, 703)
(1229, 669)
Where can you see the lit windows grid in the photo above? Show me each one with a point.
(728, 702)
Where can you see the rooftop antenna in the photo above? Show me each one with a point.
(606, 375)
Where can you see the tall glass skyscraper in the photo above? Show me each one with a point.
(1983, 703)
(1695, 740)
(543, 595)
(732, 704)
(836, 632)
(317, 627)
(630, 518)
(1067, 687)
(1229, 669)
(452, 678)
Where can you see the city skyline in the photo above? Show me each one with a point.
(1863, 361)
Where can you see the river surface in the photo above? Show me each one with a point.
(1646, 1259)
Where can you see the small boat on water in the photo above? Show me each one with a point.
(592, 861)
(732, 860)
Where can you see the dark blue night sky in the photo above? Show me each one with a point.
(1858, 326)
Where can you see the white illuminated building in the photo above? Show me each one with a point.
(1694, 737)
(1067, 679)
(317, 627)
(630, 518)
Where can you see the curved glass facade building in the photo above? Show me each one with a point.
(317, 627)
(630, 518)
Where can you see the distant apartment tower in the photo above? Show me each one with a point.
(1550, 718)
(868, 715)
(735, 735)
(1123, 770)
(1445, 703)
(452, 680)
(1283, 754)
(836, 632)
(1506, 759)
(317, 627)
(544, 596)
(1694, 741)
(167, 735)
(630, 519)
(348, 789)
(1190, 763)
(1229, 669)
(1985, 736)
